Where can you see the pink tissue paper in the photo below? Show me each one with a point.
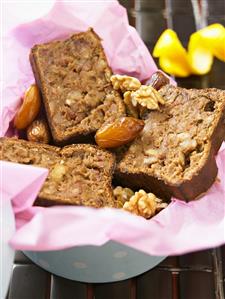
(181, 227)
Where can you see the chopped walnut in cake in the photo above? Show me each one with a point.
(181, 158)
(187, 144)
(144, 204)
(124, 83)
(152, 156)
(58, 172)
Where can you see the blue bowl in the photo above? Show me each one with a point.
(93, 264)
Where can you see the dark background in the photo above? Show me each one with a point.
(199, 275)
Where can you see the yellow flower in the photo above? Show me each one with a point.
(199, 55)
(203, 46)
(213, 37)
(173, 57)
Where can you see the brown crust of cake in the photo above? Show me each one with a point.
(45, 199)
(188, 189)
(39, 82)
(28, 144)
(75, 133)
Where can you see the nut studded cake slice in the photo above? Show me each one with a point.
(175, 153)
(78, 174)
(74, 78)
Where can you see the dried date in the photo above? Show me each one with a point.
(29, 108)
(118, 133)
(38, 131)
(158, 80)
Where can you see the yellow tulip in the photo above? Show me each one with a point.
(173, 57)
(203, 46)
(219, 50)
(199, 55)
(174, 67)
(213, 37)
(168, 44)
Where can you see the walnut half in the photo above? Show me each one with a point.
(148, 97)
(124, 83)
(137, 98)
(144, 204)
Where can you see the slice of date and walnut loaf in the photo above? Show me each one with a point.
(78, 174)
(74, 79)
(175, 153)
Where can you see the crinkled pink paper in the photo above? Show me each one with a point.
(181, 227)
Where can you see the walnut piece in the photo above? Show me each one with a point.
(144, 204)
(150, 160)
(137, 98)
(73, 97)
(181, 158)
(183, 136)
(153, 156)
(58, 172)
(124, 83)
(186, 143)
(160, 205)
(122, 195)
(151, 152)
(148, 97)
(131, 110)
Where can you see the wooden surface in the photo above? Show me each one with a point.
(199, 275)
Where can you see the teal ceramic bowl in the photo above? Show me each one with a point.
(93, 264)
